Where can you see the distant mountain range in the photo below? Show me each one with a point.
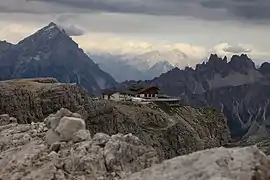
(124, 68)
(50, 52)
(236, 87)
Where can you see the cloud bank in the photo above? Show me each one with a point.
(253, 10)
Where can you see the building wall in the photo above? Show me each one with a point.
(120, 97)
(115, 96)
(150, 93)
(105, 96)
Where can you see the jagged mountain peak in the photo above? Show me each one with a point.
(52, 28)
(50, 52)
(265, 68)
(49, 33)
(214, 59)
(241, 63)
(238, 63)
(4, 42)
(4, 45)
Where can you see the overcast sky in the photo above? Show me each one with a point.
(195, 27)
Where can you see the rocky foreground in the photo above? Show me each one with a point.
(41, 139)
(60, 148)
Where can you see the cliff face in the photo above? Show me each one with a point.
(30, 100)
(246, 107)
(171, 130)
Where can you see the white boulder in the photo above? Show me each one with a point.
(52, 137)
(215, 164)
(68, 126)
(81, 135)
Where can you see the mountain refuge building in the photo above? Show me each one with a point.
(146, 92)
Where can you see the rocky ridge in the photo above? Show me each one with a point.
(27, 152)
(171, 130)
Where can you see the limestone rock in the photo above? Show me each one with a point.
(120, 157)
(52, 120)
(100, 139)
(172, 130)
(81, 135)
(65, 126)
(32, 100)
(68, 126)
(5, 119)
(214, 164)
(52, 137)
(26, 155)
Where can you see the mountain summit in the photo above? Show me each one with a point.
(50, 52)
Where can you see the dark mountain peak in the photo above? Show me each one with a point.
(225, 59)
(4, 46)
(51, 28)
(188, 68)
(265, 65)
(175, 69)
(49, 33)
(50, 52)
(214, 59)
(265, 68)
(4, 42)
(214, 64)
(52, 24)
(241, 63)
(49, 40)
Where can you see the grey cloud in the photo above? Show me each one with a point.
(71, 30)
(65, 17)
(245, 9)
(205, 9)
(237, 49)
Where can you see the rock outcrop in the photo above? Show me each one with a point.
(31, 100)
(215, 164)
(246, 107)
(26, 154)
(65, 126)
(5, 119)
(171, 130)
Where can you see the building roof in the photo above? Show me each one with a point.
(147, 88)
(131, 91)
